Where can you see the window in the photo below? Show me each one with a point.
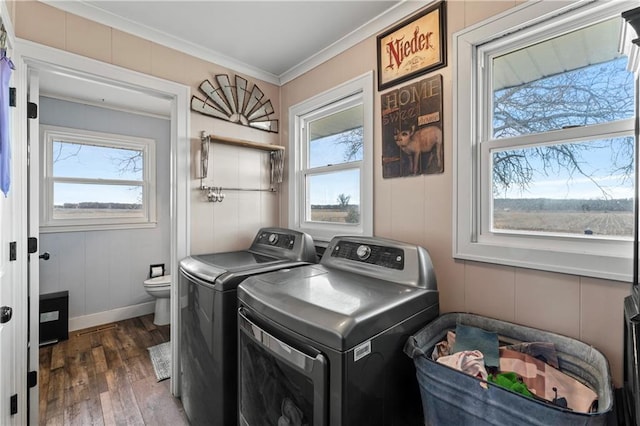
(331, 168)
(95, 180)
(549, 136)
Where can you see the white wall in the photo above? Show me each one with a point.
(104, 270)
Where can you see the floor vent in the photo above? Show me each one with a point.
(97, 329)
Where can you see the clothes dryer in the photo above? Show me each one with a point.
(323, 344)
(208, 287)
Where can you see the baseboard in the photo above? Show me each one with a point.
(105, 317)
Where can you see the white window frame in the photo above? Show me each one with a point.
(360, 89)
(148, 148)
(473, 240)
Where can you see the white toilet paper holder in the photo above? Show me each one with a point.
(156, 270)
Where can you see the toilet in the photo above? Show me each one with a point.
(160, 288)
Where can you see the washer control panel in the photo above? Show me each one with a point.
(275, 239)
(386, 257)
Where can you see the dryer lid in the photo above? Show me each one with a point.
(272, 248)
(338, 309)
(210, 267)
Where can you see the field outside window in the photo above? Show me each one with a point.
(551, 141)
(96, 180)
(331, 165)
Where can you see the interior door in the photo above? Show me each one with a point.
(8, 382)
(33, 229)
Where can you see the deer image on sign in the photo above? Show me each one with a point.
(412, 138)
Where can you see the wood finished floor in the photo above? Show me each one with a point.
(104, 376)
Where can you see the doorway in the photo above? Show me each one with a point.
(110, 83)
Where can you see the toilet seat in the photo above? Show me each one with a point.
(158, 281)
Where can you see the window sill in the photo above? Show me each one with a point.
(608, 266)
(102, 227)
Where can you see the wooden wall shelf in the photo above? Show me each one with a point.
(242, 142)
(276, 153)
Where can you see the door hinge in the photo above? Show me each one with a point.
(12, 96)
(14, 404)
(32, 379)
(13, 251)
(32, 110)
(32, 245)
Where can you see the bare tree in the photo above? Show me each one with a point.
(61, 154)
(127, 161)
(590, 95)
(343, 200)
(353, 141)
(130, 163)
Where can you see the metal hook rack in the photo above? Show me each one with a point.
(214, 193)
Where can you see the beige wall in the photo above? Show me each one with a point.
(419, 210)
(414, 209)
(215, 226)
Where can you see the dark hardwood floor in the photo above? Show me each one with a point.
(104, 376)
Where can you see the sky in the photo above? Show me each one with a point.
(96, 163)
(326, 188)
(596, 163)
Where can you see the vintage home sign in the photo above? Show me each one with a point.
(412, 140)
(414, 47)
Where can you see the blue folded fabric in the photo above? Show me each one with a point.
(6, 67)
(470, 338)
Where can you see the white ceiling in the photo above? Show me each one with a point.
(270, 36)
(274, 41)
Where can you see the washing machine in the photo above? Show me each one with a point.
(208, 297)
(322, 344)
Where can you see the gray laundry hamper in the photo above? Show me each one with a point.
(451, 397)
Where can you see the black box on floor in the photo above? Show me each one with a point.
(54, 317)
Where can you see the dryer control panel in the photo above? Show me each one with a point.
(386, 257)
(382, 259)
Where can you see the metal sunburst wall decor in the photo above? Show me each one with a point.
(237, 103)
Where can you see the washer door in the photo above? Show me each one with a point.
(278, 383)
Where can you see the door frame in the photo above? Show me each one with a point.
(13, 273)
(33, 266)
(35, 56)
